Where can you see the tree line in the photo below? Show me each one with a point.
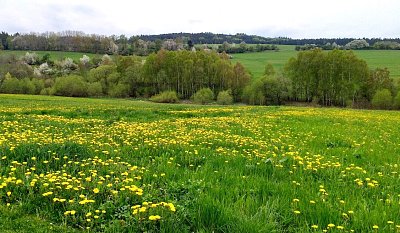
(184, 72)
(354, 45)
(334, 78)
(143, 45)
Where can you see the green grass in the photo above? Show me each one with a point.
(225, 169)
(255, 62)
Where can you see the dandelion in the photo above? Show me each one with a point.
(154, 217)
(375, 227)
(96, 190)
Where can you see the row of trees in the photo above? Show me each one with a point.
(146, 44)
(335, 78)
(184, 72)
(353, 45)
(243, 48)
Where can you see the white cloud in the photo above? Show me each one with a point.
(298, 19)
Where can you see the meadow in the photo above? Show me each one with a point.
(113, 165)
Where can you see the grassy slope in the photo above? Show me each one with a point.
(239, 168)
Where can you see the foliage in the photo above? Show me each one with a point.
(203, 96)
(165, 97)
(119, 91)
(397, 100)
(95, 89)
(12, 85)
(387, 45)
(333, 77)
(357, 44)
(269, 90)
(382, 99)
(225, 98)
(72, 85)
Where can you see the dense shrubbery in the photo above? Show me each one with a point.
(224, 98)
(73, 86)
(183, 72)
(382, 99)
(165, 97)
(203, 96)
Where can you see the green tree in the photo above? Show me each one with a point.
(397, 100)
(382, 99)
(269, 70)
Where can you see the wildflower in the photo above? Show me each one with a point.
(375, 227)
(296, 212)
(96, 190)
(154, 217)
(314, 226)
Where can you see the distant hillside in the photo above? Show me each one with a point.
(211, 38)
(75, 41)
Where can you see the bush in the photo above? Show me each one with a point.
(73, 86)
(382, 99)
(224, 98)
(47, 91)
(119, 91)
(39, 85)
(253, 93)
(397, 101)
(27, 86)
(95, 89)
(165, 97)
(11, 86)
(203, 96)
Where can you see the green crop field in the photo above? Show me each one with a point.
(255, 62)
(105, 165)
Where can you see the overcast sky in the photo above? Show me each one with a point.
(296, 19)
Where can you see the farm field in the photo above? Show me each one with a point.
(255, 62)
(105, 165)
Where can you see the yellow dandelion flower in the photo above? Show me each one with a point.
(154, 217)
